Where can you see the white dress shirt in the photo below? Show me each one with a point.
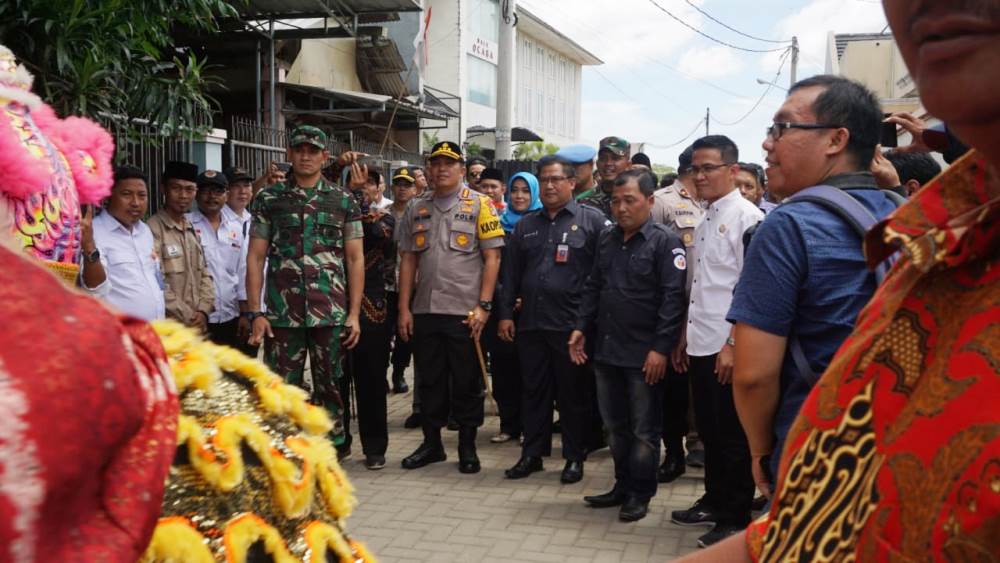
(718, 263)
(133, 283)
(382, 204)
(225, 253)
(246, 218)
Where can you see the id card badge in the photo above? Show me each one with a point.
(562, 251)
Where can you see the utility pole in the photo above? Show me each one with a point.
(795, 60)
(708, 116)
(507, 53)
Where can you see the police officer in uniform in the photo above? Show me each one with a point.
(310, 232)
(449, 241)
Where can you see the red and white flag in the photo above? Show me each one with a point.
(420, 50)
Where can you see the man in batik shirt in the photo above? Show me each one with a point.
(896, 452)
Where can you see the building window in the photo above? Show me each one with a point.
(484, 19)
(482, 82)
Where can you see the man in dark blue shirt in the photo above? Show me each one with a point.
(551, 253)
(804, 278)
(635, 296)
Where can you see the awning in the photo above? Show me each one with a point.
(517, 134)
(435, 99)
(335, 102)
(290, 9)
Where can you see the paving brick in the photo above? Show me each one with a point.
(435, 514)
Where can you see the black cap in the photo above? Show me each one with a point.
(492, 174)
(641, 158)
(212, 178)
(684, 160)
(447, 149)
(181, 171)
(239, 174)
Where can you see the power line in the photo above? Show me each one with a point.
(709, 37)
(697, 126)
(733, 29)
(770, 85)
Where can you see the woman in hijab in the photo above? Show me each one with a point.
(522, 198)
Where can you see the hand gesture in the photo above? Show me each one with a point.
(885, 173)
(87, 229)
(261, 327)
(352, 332)
(358, 177)
(243, 329)
(274, 174)
(476, 321)
(577, 342)
(915, 126)
(350, 157)
(724, 365)
(506, 330)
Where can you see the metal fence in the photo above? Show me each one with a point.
(142, 144)
(254, 146)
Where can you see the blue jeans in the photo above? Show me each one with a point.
(633, 417)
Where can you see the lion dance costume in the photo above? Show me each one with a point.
(120, 441)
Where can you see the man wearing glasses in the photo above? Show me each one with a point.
(805, 279)
(551, 252)
(717, 265)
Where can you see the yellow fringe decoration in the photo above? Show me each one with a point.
(244, 531)
(176, 540)
(199, 364)
(319, 536)
(292, 488)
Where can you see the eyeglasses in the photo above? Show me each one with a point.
(551, 179)
(776, 129)
(707, 168)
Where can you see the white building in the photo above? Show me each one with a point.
(462, 60)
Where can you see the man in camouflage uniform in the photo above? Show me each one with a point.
(308, 229)
(612, 159)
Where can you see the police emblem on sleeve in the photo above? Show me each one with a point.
(419, 240)
(680, 262)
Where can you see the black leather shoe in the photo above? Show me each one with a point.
(698, 515)
(468, 461)
(524, 467)
(452, 425)
(399, 382)
(415, 420)
(607, 500)
(633, 509)
(672, 468)
(426, 454)
(572, 472)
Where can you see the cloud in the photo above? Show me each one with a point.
(709, 62)
(623, 33)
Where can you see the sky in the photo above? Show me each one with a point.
(659, 77)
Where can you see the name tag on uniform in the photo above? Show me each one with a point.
(562, 253)
(173, 251)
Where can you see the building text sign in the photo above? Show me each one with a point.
(485, 49)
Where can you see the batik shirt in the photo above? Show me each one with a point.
(895, 454)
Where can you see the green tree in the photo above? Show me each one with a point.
(662, 169)
(473, 149)
(430, 139)
(115, 57)
(534, 150)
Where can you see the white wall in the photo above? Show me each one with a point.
(327, 63)
(549, 92)
(446, 61)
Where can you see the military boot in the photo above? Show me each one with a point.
(468, 461)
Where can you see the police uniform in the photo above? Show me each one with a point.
(674, 207)
(447, 233)
(307, 230)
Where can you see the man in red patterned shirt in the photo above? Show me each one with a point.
(896, 452)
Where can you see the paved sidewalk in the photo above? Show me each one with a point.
(437, 514)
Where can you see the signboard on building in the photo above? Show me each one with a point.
(485, 49)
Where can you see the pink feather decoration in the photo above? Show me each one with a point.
(87, 147)
(21, 174)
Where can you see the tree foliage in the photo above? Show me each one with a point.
(115, 57)
(534, 150)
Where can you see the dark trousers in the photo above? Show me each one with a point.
(505, 371)
(445, 355)
(401, 350)
(729, 485)
(631, 410)
(227, 334)
(285, 354)
(675, 412)
(547, 374)
(364, 369)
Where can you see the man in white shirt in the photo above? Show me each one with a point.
(119, 264)
(729, 484)
(240, 195)
(221, 237)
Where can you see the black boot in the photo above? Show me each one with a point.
(430, 451)
(399, 385)
(468, 461)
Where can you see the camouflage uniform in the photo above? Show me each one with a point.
(600, 199)
(306, 297)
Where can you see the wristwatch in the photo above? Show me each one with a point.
(93, 257)
(252, 315)
(731, 341)
(486, 306)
